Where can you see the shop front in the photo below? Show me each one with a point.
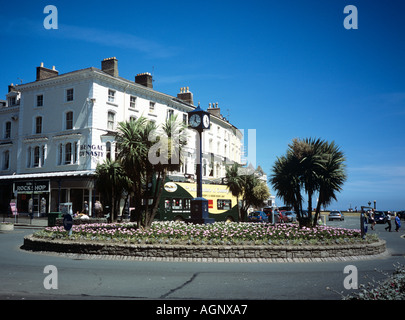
(32, 196)
(41, 193)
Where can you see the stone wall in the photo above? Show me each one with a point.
(193, 252)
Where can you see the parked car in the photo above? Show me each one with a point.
(257, 216)
(291, 216)
(380, 217)
(280, 216)
(269, 213)
(336, 215)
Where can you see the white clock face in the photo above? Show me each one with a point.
(195, 120)
(206, 121)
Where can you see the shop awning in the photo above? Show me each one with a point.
(44, 175)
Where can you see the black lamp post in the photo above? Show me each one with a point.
(199, 120)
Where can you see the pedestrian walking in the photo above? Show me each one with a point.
(98, 209)
(372, 219)
(397, 223)
(86, 208)
(363, 224)
(388, 228)
(43, 206)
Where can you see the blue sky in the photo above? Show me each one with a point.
(284, 68)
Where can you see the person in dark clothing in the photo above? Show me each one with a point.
(388, 228)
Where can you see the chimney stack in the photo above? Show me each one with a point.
(214, 110)
(11, 88)
(110, 66)
(45, 73)
(186, 95)
(144, 79)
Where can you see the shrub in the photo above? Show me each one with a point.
(392, 288)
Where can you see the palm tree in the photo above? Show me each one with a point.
(243, 182)
(133, 145)
(234, 183)
(255, 192)
(309, 154)
(286, 181)
(164, 155)
(331, 177)
(312, 165)
(147, 153)
(111, 181)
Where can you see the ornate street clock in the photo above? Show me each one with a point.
(195, 121)
(206, 121)
(199, 120)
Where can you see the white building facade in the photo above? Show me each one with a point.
(55, 130)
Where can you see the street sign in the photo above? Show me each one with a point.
(13, 208)
(67, 222)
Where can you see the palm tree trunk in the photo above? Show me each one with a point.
(159, 186)
(298, 207)
(238, 209)
(309, 208)
(317, 212)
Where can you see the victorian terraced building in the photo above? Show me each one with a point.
(55, 130)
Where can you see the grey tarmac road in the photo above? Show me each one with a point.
(22, 275)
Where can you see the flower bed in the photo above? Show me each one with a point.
(219, 233)
(214, 242)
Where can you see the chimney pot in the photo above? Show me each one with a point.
(186, 95)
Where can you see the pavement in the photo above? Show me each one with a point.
(24, 220)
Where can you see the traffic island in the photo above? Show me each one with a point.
(210, 253)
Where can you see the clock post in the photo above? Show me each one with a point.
(199, 120)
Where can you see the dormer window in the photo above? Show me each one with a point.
(13, 98)
(12, 101)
